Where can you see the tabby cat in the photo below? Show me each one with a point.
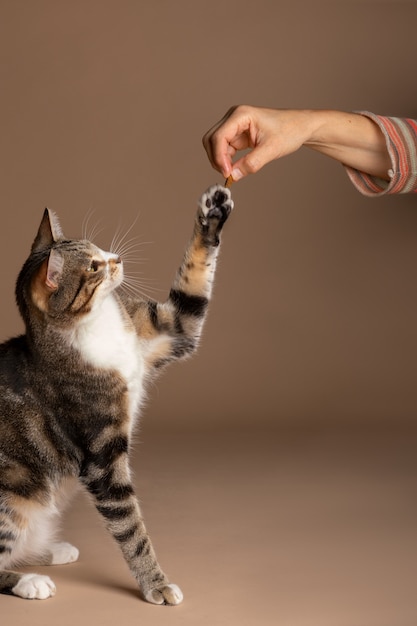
(72, 387)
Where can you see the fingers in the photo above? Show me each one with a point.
(231, 134)
(261, 154)
(219, 151)
(266, 134)
(243, 127)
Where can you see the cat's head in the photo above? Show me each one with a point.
(64, 278)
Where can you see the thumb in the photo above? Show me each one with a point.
(251, 162)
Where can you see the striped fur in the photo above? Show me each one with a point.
(72, 387)
(401, 139)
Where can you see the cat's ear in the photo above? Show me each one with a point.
(54, 270)
(46, 280)
(49, 232)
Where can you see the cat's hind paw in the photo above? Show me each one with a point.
(62, 553)
(165, 594)
(34, 587)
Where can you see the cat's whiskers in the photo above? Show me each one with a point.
(133, 286)
(132, 291)
(133, 280)
(120, 238)
(90, 233)
(129, 250)
(126, 248)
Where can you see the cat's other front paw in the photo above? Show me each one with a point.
(215, 206)
(166, 593)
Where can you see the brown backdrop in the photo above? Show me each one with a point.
(103, 107)
(313, 324)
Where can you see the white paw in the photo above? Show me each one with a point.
(34, 587)
(62, 553)
(166, 594)
(216, 201)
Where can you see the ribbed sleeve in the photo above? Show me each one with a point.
(401, 138)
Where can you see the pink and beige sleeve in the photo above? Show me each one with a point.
(401, 138)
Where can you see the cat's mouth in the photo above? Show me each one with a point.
(115, 271)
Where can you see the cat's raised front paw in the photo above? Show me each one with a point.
(216, 202)
(215, 207)
(165, 594)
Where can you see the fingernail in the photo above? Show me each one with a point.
(237, 174)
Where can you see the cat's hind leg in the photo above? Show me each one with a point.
(29, 586)
(15, 548)
(42, 528)
(27, 537)
(36, 586)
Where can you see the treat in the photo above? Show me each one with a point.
(229, 181)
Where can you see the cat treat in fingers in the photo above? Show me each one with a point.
(72, 387)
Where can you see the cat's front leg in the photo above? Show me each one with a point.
(116, 502)
(171, 330)
(192, 287)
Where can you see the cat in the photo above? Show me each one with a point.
(72, 387)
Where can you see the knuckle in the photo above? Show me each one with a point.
(252, 165)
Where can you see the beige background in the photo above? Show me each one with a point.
(302, 399)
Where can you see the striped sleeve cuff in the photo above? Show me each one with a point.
(401, 138)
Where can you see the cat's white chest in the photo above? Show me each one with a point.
(104, 341)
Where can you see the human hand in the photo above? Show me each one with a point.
(267, 133)
(352, 139)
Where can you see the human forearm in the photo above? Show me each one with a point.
(353, 139)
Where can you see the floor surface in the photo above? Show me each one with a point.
(304, 527)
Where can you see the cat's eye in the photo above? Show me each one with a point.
(94, 266)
